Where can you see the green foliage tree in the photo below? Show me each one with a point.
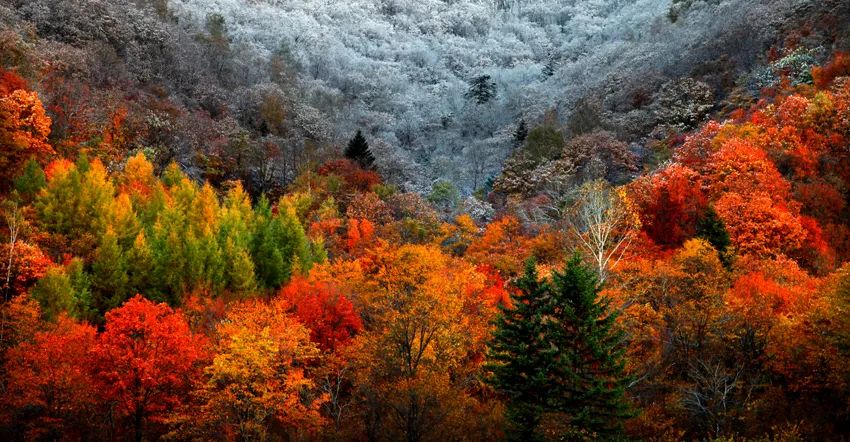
(81, 284)
(520, 354)
(358, 151)
(711, 228)
(279, 245)
(54, 293)
(109, 274)
(30, 181)
(140, 266)
(65, 289)
(588, 379)
(445, 196)
(77, 201)
(544, 142)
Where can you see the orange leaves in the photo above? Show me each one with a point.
(10, 82)
(359, 235)
(354, 176)
(24, 128)
(50, 375)
(760, 225)
(146, 360)
(503, 246)
(741, 167)
(839, 66)
(256, 381)
(325, 310)
(671, 202)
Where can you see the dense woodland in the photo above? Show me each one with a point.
(197, 245)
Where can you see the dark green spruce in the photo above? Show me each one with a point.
(520, 355)
(559, 351)
(358, 151)
(588, 378)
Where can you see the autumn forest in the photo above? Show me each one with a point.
(191, 253)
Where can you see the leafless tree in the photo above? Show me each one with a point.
(604, 223)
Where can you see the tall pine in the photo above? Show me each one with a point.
(358, 151)
(558, 350)
(588, 379)
(520, 355)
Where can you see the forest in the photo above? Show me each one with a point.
(387, 220)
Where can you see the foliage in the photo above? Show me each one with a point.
(145, 361)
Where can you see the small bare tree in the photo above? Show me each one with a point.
(604, 222)
(716, 393)
(15, 223)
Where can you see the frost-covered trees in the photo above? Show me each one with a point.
(433, 78)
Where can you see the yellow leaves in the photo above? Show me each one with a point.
(257, 380)
(205, 210)
(24, 128)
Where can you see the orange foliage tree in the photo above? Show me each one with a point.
(323, 308)
(24, 128)
(256, 385)
(146, 360)
(671, 203)
(49, 389)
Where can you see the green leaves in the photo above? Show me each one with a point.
(558, 349)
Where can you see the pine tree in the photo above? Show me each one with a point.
(358, 151)
(711, 228)
(140, 267)
(520, 134)
(30, 181)
(109, 274)
(81, 283)
(280, 246)
(550, 66)
(481, 89)
(588, 379)
(520, 354)
(240, 270)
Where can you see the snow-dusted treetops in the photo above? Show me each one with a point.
(410, 73)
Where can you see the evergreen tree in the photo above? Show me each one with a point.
(588, 379)
(550, 66)
(30, 181)
(280, 246)
(140, 267)
(54, 293)
(520, 134)
(109, 274)
(711, 228)
(520, 354)
(481, 89)
(240, 270)
(358, 151)
(81, 283)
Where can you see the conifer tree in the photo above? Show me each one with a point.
(520, 134)
(588, 379)
(520, 354)
(240, 270)
(481, 89)
(109, 274)
(711, 228)
(358, 151)
(81, 284)
(31, 180)
(140, 267)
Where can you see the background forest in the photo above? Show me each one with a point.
(424, 220)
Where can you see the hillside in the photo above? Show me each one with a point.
(462, 220)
